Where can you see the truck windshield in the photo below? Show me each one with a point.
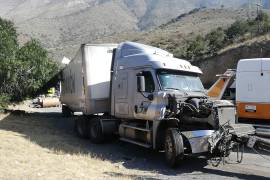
(179, 81)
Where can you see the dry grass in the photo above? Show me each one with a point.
(32, 148)
(42, 145)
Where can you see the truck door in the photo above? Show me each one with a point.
(121, 95)
(142, 100)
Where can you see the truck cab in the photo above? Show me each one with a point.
(159, 97)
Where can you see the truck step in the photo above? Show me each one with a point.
(134, 127)
(135, 142)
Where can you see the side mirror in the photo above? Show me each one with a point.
(140, 83)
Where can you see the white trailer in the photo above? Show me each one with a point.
(145, 96)
(86, 80)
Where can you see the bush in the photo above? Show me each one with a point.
(237, 29)
(264, 20)
(215, 40)
(4, 101)
(196, 47)
(8, 40)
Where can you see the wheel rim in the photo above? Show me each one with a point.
(168, 148)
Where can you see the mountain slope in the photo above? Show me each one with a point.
(229, 57)
(171, 34)
(68, 23)
(80, 27)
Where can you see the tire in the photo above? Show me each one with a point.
(66, 112)
(95, 131)
(81, 127)
(174, 147)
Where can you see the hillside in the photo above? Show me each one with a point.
(62, 25)
(228, 57)
(58, 23)
(176, 31)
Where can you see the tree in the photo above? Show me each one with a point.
(8, 47)
(196, 47)
(22, 70)
(34, 68)
(237, 29)
(8, 40)
(215, 40)
(264, 20)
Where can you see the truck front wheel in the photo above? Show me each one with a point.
(174, 147)
(96, 132)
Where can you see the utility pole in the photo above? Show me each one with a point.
(259, 6)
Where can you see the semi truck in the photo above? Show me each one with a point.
(144, 96)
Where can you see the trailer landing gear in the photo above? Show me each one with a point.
(174, 147)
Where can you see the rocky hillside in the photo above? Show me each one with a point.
(179, 29)
(62, 25)
(68, 22)
(228, 57)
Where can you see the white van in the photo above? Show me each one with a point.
(253, 88)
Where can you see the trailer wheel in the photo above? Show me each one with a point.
(174, 147)
(81, 127)
(96, 133)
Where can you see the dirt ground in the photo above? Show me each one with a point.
(41, 144)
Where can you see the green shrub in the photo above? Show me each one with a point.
(4, 101)
(196, 47)
(237, 29)
(215, 40)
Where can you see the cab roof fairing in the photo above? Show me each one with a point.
(130, 55)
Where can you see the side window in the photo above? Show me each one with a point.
(149, 81)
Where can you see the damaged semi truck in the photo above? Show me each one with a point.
(145, 96)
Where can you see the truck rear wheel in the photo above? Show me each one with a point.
(96, 132)
(174, 147)
(81, 127)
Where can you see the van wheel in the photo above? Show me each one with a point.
(81, 127)
(96, 134)
(174, 147)
(66, 112)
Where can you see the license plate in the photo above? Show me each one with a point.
(250, 108)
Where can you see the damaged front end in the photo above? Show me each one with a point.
(203, 123)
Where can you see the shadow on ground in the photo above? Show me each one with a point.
(50, 130)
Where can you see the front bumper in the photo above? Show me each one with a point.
(198, 140)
